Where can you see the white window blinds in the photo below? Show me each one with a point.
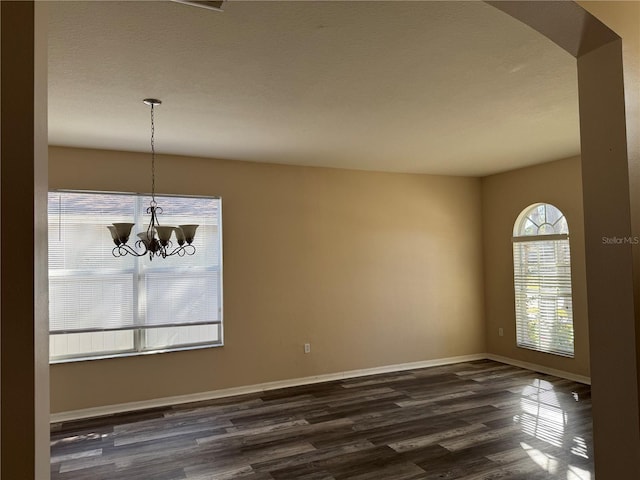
(542, 281)
(92, 292)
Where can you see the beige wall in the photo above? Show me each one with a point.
(372, 269)
(504, 196)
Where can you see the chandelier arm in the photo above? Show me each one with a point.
(142, 244)
(126, 249)
(183, 250)
(176, 251)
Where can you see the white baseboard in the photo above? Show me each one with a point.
(261, 387)
(539, 368)
(294, 382)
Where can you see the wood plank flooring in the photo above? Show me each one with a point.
(472, 421)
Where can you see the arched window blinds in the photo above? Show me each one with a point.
(542, 281)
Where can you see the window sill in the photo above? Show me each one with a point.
(133, 354)
(546, 352)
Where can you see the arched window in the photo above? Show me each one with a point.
(542, 280)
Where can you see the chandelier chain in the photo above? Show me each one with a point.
(153, 156)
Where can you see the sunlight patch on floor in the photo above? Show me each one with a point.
(544, 418)
(575, 473)
(542, 415)
(547, 462)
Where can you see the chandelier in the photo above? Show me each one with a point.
(156, 241)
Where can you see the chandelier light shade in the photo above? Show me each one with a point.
(156, 240)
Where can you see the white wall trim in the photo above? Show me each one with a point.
(539, 368)
(294, 382)
(261, 387)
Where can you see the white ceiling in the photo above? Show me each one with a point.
(432, 87)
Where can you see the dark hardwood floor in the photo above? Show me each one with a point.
(476, 420)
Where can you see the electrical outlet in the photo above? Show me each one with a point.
(307, 348)
(500, 332)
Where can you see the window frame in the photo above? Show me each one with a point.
(563, 281)
(139, 329)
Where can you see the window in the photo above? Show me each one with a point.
(542, 279)
(106, 306)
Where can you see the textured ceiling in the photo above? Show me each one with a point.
(433, 87)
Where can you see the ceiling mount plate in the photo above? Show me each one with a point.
(209, 5)
(152, 101)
